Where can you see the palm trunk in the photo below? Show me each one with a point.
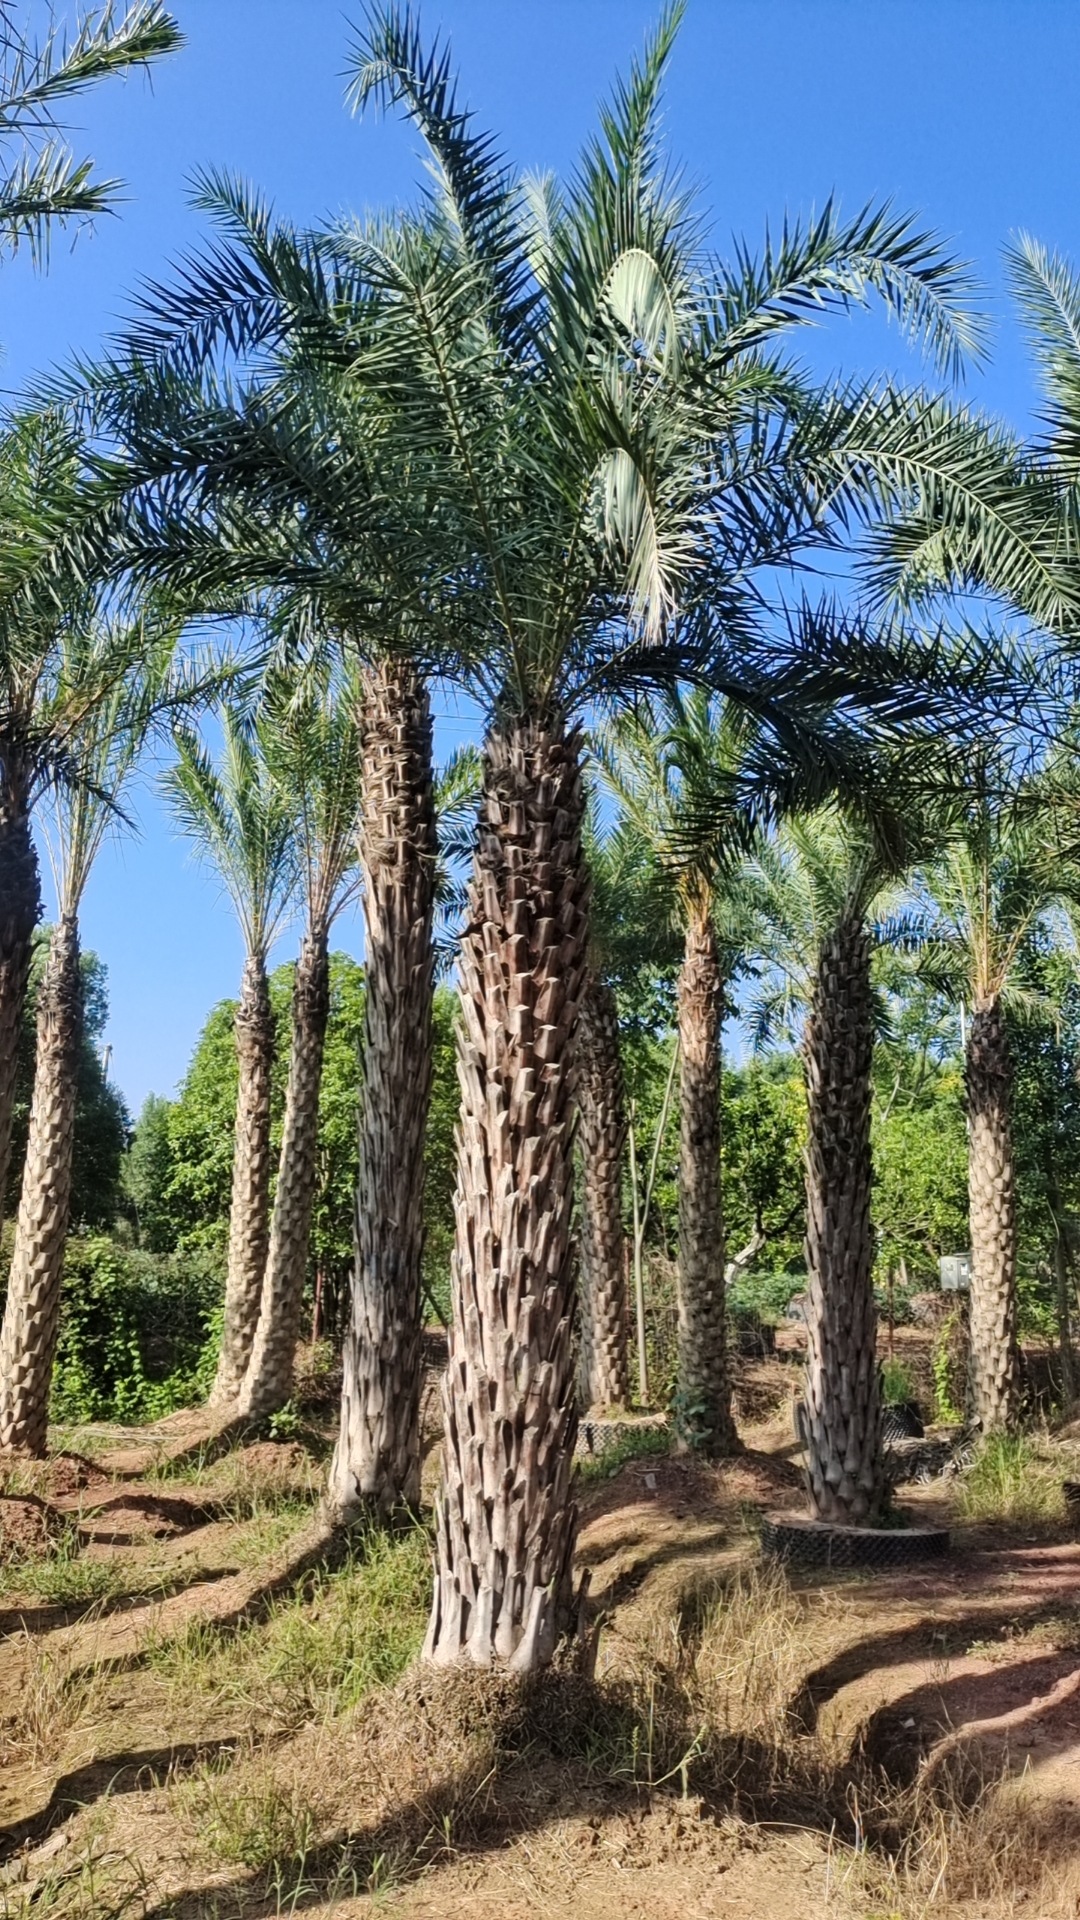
(703, 1403)
(20, 908)
(993, 1384)
(506, 1521)
(32, 1312)
(376, 1464)
(604, 1371)
(844, 1465)
(249, 1207)
(268, 1382)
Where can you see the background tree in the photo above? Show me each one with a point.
(629, 930)
(983, 900)
(106, 750)
(239, 819)
(311, 741)
(822, 877)
(672, 763)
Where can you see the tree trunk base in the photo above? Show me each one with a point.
(803, 1542)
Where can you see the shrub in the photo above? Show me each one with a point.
(138, 1332)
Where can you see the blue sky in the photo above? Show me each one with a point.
(963, 111)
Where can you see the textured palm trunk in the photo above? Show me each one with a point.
(250, 1203)
(32, 1312)
(505, 1520)
(20, 907)
(268, 1382)
(703, 1403)
(376, 1464)
(604, 1371)
(992, 1371)
(844, 1465)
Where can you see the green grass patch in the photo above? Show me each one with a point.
(1010, 1480)
(317, 1653)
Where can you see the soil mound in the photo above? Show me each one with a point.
(28, 1527)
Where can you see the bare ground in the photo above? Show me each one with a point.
(176, 1737)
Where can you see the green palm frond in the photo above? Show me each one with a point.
(46, 184)
(1047, 291)
(240, 822)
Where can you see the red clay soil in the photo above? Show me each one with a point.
(28, 1526)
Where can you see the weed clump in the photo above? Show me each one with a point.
(1010, 1481)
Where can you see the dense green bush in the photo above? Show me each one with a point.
(138, 1332)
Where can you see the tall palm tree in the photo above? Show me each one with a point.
(48, 693)
(310, 740)
(672, 763)
(983, 900)
(105, 756)
(629, 931)
(584, 410)
(594, 431)
(280, 486)
(43, 185)
(240, 820)
(821, 878)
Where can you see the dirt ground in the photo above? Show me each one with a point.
(171, 1743)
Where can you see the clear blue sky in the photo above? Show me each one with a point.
(965, 111)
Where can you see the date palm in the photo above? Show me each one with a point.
(43, 184)
(583, 403)
(103, 759)
(309, 737)
(629, 932)
(672, 763)
(48, 693)
(822, 880)
(585, 420)
(983, 900)
(240, 821)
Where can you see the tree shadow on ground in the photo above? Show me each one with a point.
(124, 1772)
(936, 1637)
(37, 1621)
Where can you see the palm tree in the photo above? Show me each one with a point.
(48, 693)
(104, 759)
(983, 899)
(241, 823)
(310, 741)
(43, 184)
(593, 432)
(820, 879)
(672, 763)
(629, 931)
(585, 415)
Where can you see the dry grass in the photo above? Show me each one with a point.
(51, 1705)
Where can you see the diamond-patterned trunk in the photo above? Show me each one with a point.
(268, 1382)
(506, 1520)
(703, 1402)
(32, 1311)
(249, 1235)
(992, 1369)
(376, 1463)
(844, 1464)
(20, 907)
(604, 1366)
